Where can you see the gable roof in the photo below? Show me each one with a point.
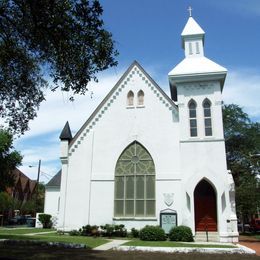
(55, 181)
(20, 176)
(111, 92)
(32, 185)
(21, 179)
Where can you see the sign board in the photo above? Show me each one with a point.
(168, 220)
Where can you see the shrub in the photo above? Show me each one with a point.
(114, 230)
(107, 230)
(134, 232)
(152, 233)
(74, 233)
(181, 233)
(45, 219)
(89, 230)
(120, 231)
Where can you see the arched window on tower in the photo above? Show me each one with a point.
(134, 183)
(130, 98)
(140, 97)
(207, 117)
(193, 118)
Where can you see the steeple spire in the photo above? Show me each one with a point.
(192, 38)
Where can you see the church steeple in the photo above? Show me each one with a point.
(195, 67)
(193, 38)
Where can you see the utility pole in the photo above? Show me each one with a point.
(37, 185)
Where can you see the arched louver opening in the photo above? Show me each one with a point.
(207, 117)
(193, 118)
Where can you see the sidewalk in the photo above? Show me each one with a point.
(250, 242)
(39, 233)
(111, 245)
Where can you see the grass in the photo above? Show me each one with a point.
(174, 244)
(23, 231)
(257, 237)
(89, 241)
(22, 234)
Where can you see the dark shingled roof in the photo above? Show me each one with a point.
(66, 133)
(55, 181)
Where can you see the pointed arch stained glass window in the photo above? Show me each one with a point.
(193, 118)
(135, 183)
(207, 117)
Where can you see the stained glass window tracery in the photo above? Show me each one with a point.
(135, 183)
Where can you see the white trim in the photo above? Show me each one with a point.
(203, 140)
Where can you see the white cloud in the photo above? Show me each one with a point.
(243, 88)
(57, 108)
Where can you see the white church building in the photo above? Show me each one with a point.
(144, 158)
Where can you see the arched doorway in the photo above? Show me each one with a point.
(205, 207)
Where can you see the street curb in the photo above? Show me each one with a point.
(239, 250)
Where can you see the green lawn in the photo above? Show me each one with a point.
(21, 234)
(173, 244)
(257, 237)
(22, 231)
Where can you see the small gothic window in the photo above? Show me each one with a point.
(197, 48)
(193, 118)
(130, 98)
(190, 48)
(207, 117)
(140, 98)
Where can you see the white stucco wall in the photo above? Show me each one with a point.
(52, 203)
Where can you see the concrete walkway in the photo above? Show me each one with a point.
(111, 245)
(39, 233)
(117, 245)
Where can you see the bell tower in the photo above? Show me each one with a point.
(196, 84)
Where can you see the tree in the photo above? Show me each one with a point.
(41, 39)
(5, 202)
(242, 148)
(9, 160)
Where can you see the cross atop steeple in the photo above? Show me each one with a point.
(190, 10)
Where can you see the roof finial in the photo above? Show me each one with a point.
(190, 10)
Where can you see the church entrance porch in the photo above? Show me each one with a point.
(205, 207)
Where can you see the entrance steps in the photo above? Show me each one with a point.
(202, 237)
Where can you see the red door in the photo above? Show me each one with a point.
(205, 207)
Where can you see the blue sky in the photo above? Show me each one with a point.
(149, 31)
